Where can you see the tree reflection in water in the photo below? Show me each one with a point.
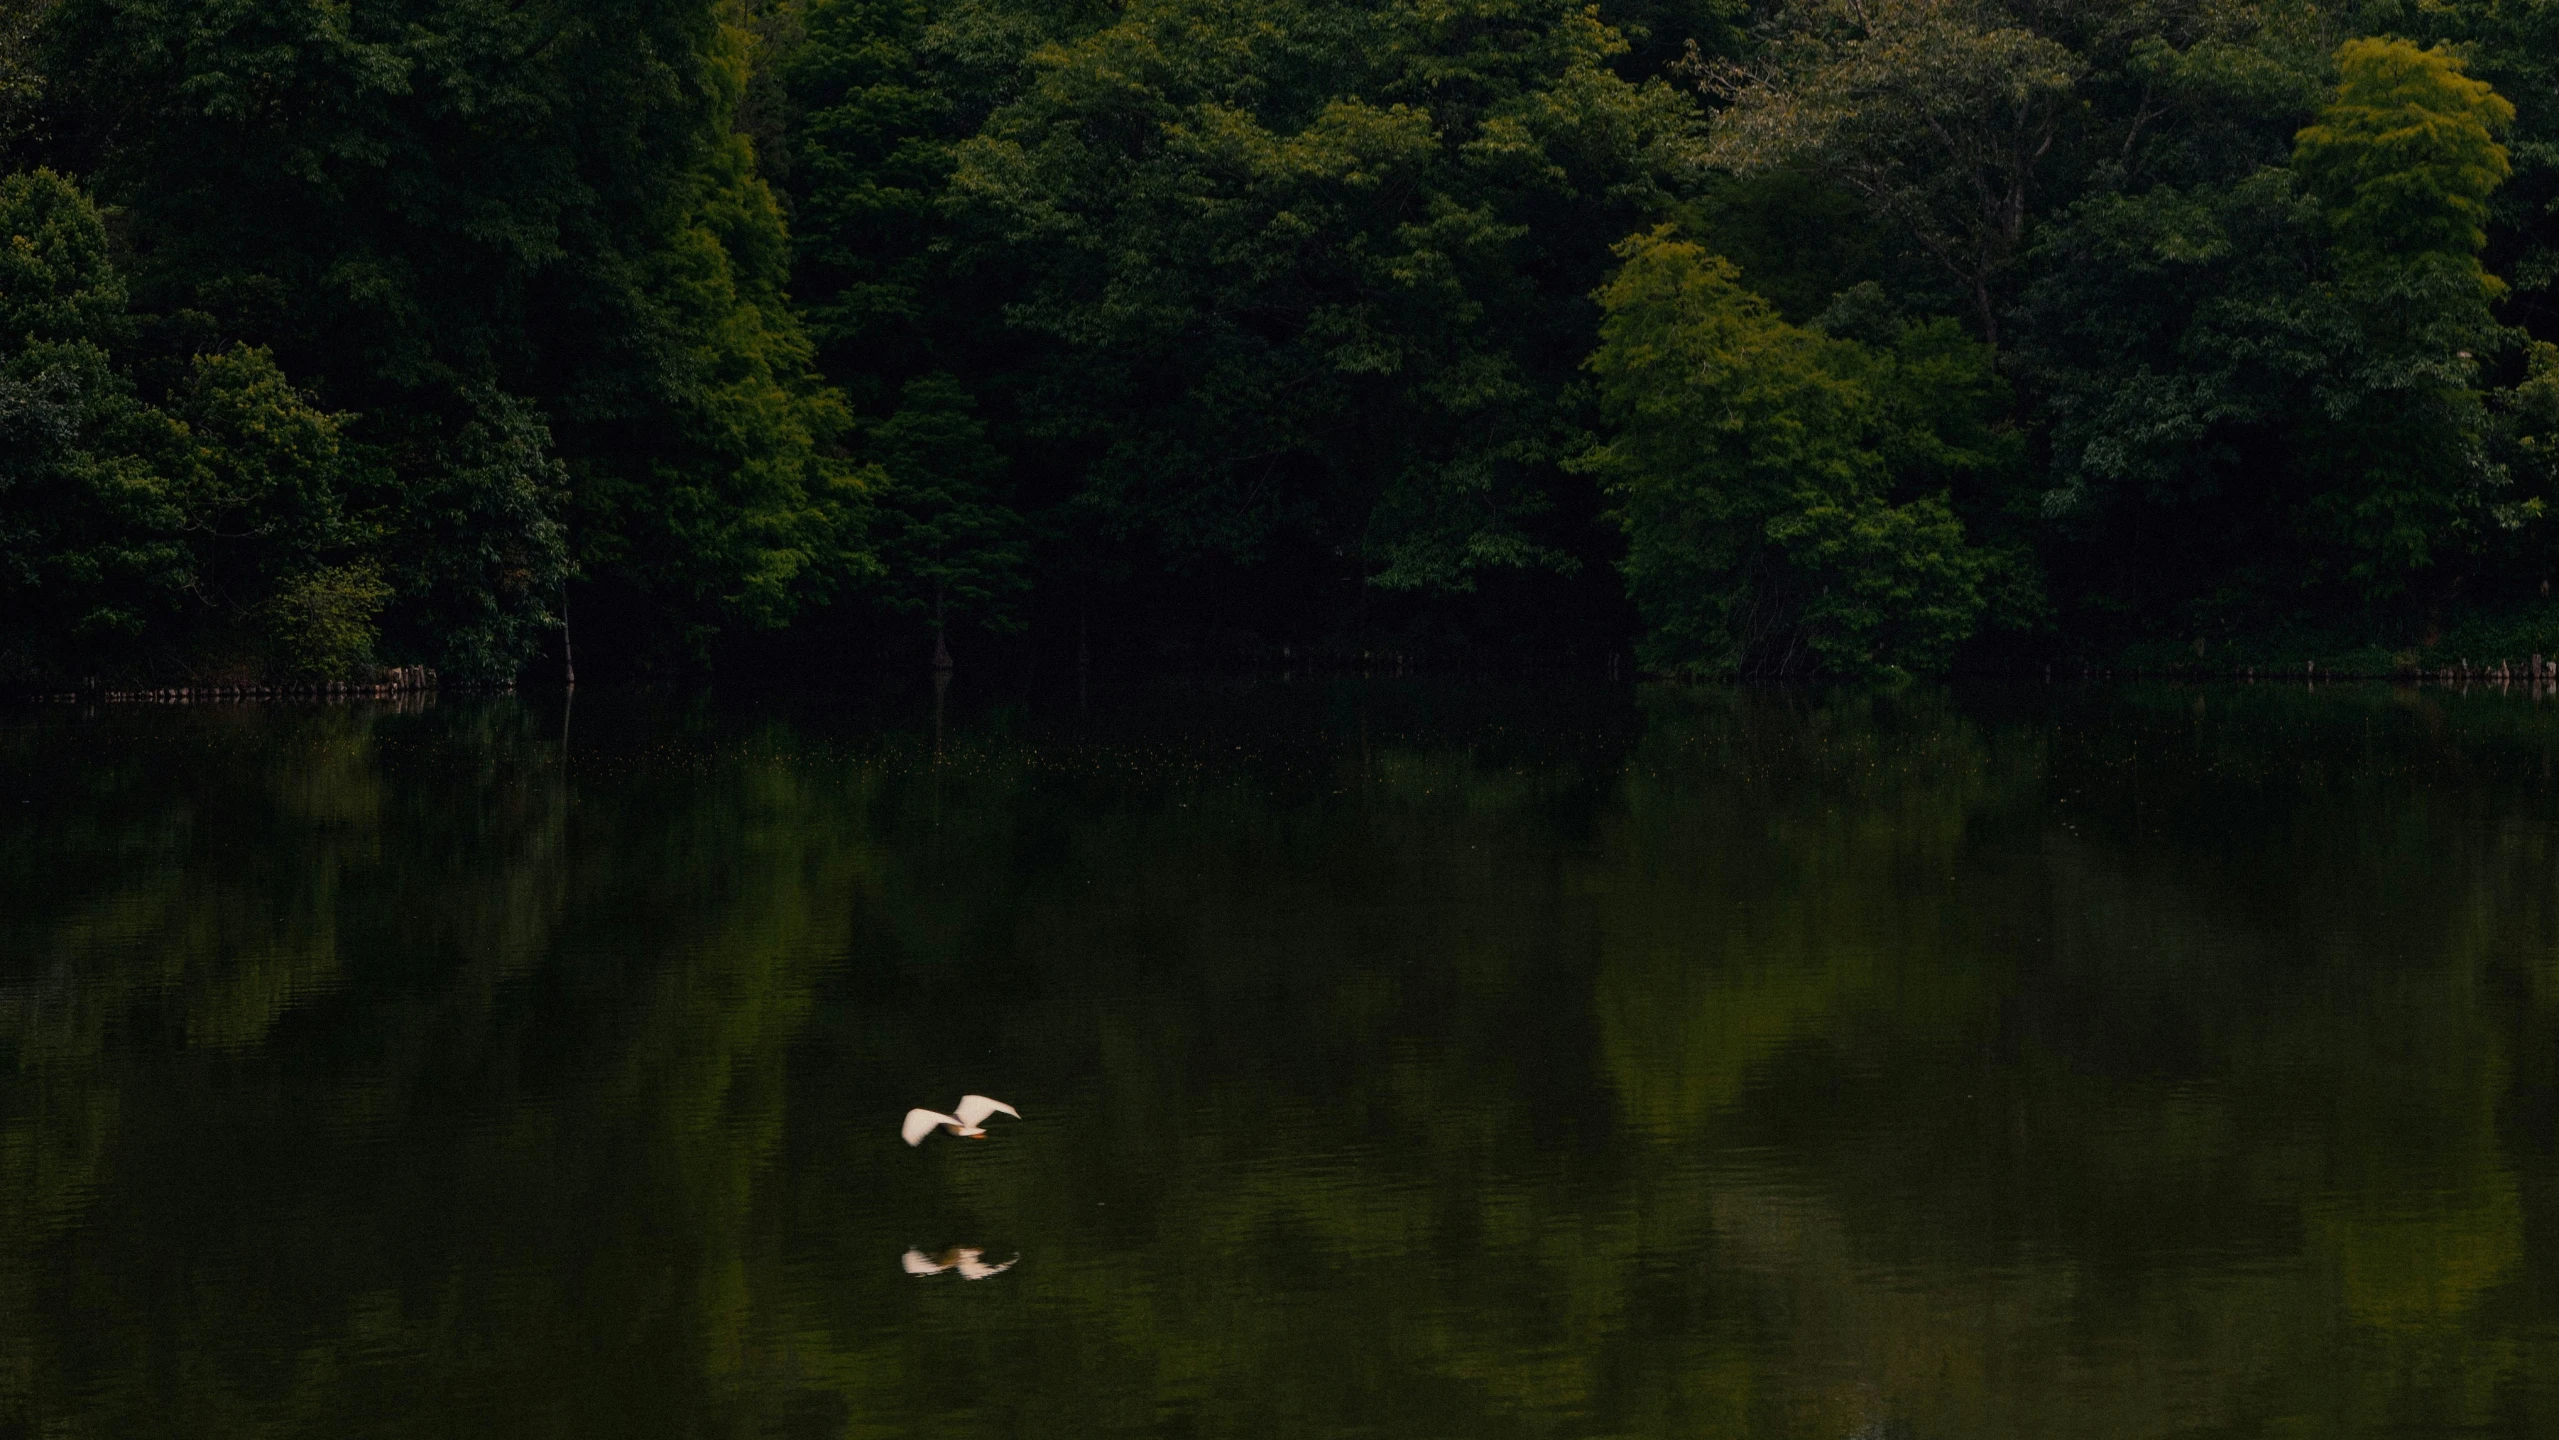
(1408, 1061)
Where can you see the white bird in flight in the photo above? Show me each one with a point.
(971, 1121)
(970, 1262)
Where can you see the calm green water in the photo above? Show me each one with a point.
(1398, 1062)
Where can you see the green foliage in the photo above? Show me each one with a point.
(739, 505)
(21, 84)
(260, 471)
(729, 309)
(2410, 482)
(1884, 587)
(2534, 407)
(950, 545)
(57, 283)
(1939, 115)
(871, 159)
(1756, 464)
(199, 533)
(91, 549)
(2261, 363)
(2406, 155)
(2404, 158)
(321, 622)
(1801, 239)
(474, 547)
(2516, 49)
(1314, 270)
(885, 91)
(517, 243)
(218, 527)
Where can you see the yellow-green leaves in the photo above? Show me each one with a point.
(2406, 154)
(56, 282)
(323, 623)
(1754, 464)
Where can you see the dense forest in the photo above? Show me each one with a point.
(811, 336)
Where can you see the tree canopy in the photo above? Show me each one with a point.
(2010, 329)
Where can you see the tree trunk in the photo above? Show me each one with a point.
(941, 692)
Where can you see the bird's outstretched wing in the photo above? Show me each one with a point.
(975, 1108)
(920, 1123)
(916, 1262)
(973, 1268)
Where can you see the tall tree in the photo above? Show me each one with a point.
(1784, 491)
(952, 548)
(1941, 113)
(2515, 48)
(2403, 160)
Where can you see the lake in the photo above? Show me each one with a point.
(1396, 1059)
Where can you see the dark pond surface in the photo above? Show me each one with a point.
(1397, 1060)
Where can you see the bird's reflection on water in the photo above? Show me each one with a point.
(1495, 1062)
(968, 1263)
